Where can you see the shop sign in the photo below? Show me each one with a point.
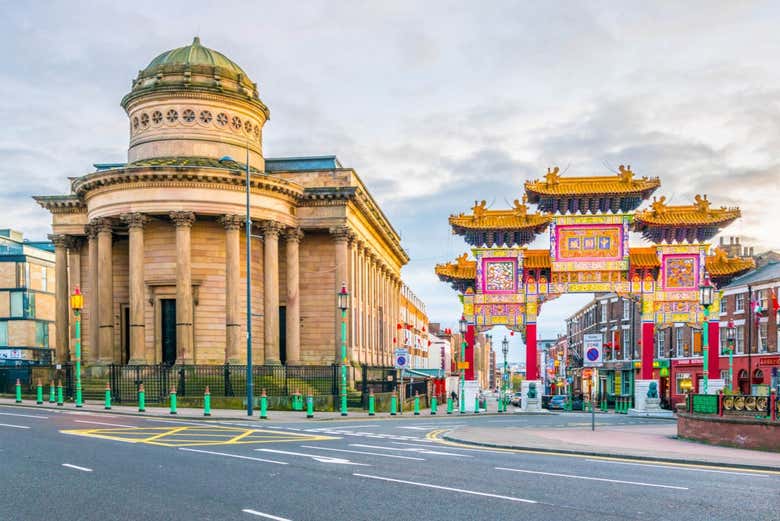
(769, 360)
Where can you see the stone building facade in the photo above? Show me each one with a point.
(158, 244)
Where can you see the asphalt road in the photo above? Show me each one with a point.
(70, 465)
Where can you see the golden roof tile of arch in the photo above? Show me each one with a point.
(700, 213)
(719, 264)
(623, 183)
(515, 218)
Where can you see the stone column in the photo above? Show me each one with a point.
(91, 298)
(105, 270)
(232, 224)
(135, 224)
(184, 334)
(340, 235)
(74, 281)
(293, 237)
(61, 298)
(271, 231)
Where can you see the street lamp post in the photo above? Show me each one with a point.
(343, 304)
(731, 332)
(705, 299)
(462, 327)
(77, 303)
(505, 351)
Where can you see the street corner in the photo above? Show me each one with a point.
(189, 436)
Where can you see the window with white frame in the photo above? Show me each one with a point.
(660, 341)
(762, 337)
(761, 297)
(604, 311)
(724, 339)
(739, 303)
(739, 346)
(679, 341)
(723, 303)
(626, 309)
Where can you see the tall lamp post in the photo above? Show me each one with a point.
(731, 333)
(462, 327)
(505, 351)
(705, 299)
(343, 304)
(77, 303)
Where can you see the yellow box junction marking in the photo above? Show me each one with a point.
(194, 435)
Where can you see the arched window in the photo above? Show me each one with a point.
(743, 375)
(758, 375)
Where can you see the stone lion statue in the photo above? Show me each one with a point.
(531, 390)
(652, 390)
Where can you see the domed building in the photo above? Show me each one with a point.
(158, 244)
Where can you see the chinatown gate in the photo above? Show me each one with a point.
(589, 221)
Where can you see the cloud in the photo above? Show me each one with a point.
(434, 105)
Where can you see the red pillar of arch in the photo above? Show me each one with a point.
(648, 346)
(470, 337)
(713, 354)
(531, 369)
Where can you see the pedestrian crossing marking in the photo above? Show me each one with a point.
(188, 436)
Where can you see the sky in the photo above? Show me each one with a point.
(434, 104)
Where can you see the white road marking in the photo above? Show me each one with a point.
(233, 456)
(451, 489)
(25, 415)
(589, 478)
(316, 457)
(267, 516)
(83, 469)
(395, 456)
(675, 467)
(15, 426)
(420, 451)
(417, 428)
(102, 423)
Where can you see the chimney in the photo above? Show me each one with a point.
(721, 240)
(751, 251)
(737, 240)
(731, 240)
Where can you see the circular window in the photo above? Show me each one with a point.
(144, 119)
(157, 117)
(248, 126)
(171, 116)
(188, 116)
(236, 122)
(135, 123)
(205, 116)
(222, 119)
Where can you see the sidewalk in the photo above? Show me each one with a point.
(657, 442)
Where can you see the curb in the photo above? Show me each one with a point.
(302, 419)
(611, 455)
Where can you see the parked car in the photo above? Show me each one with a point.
(557, 402)
(546, 401)
(516, 399)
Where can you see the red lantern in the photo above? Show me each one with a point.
(429, 342)
(399, 326)
(511, 333)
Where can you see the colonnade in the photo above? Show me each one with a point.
(374, 289)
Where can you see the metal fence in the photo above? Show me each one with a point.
(29, 375)
(418, 386)
(378, 379)
(734, 405)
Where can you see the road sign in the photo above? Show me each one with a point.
(593, 350)
(506, 376)
(401, 358)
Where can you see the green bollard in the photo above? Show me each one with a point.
(206, 402)
(51, 392)
(60, 401)
(476, 405)
(434, 405)
(108, 397)
(18, 391)
(141, 399)
(393, 404)
(416, 403)
(310, 406)
(173, 400)
(39, 393)
(449, 405)
(263, 406)
(371, 399)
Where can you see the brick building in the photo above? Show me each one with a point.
(27, 282)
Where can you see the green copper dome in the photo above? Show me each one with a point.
(194, 68)
(193, 55)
